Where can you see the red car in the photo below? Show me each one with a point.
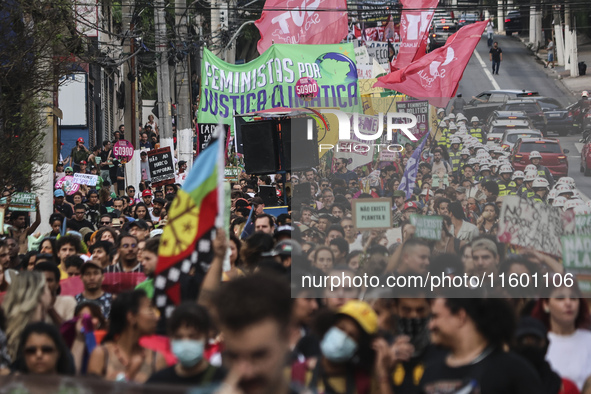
(586, 157)
(553, 156)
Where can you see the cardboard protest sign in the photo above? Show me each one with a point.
(427, 227)
(21, 202)
(161, 166)
(420, 109)
(526, 223)
(232, 173)
(68, 185)
(576, 258)
(85, 179)
(372, 213)
(123, 150)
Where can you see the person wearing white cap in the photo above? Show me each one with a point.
(517, 177)
(527, 182)
(440, 113)
(559, 202)
(455, 154)
(506, 185)
(536, 158)
(541, 188)
(476, 130)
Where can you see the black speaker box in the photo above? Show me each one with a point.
(259, 143)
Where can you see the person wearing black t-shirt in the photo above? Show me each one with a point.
(473, 330)
(496, 57)
(188, 328)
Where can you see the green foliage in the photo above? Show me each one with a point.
(149, 84)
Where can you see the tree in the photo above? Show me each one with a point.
(38, 44)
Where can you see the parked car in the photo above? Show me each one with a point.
(513, 22)
(467, 18)
(532, 108)
(506, 115)
(559, 118)
(440, 33)
(492, 100)
(511, 136)
(553, 156)
(497, 129)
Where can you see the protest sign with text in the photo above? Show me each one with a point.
(372, 213)
(161, 166)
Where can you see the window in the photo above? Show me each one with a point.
(497, 98)
(527, 108)
(512, 138)
(542, 147)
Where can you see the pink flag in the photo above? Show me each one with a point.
(302, 22)
(414, 29)
(436, 76)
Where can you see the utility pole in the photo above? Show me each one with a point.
(183, 81)
(216, 29)
(164, 110)
(500, 16)
(559, 41)
(571, 61)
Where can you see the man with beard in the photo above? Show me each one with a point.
(256, 333)
(531, 342)
(473, 331)
(128, 249)
(156, 210)
(412, 348)
(94, 209)
(92, 277)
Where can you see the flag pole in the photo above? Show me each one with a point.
(221, 164)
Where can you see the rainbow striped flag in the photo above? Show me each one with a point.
(186, 248)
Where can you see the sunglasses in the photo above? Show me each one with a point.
(68, 172)
(105, 223)
(45, 349)
(324, 185)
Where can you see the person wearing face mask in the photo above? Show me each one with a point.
(531, 342)
(188, 328)
(348, 354)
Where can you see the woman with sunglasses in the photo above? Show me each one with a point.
(42, 351)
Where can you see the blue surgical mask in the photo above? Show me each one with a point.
(188, 351)
(337, 346)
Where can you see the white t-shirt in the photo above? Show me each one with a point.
(570, 356)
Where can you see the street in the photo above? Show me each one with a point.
(521, 70)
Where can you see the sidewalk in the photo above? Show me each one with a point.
(574, 84)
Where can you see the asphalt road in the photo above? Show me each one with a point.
(521, 70)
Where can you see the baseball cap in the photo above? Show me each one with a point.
(59, 193)
(81, 139)
(530, 326)
(89, 264)
(461, 189)
(285, 248)
(411, 205)
(141, 223)
(68, 169)
(156, 232)
(146, 192)
(362, 313)
(485, 244)
(399, 193)
(83, 162)
(60, 163)
(287, 229)
(159, 201)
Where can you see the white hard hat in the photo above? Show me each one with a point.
(552, 195)
(559, 202)
(440, 110)
(518, 175)
(534, 154)
(452, 126)
(505, 169)
(540, 182)
(573, 203)
(442, 123)
(474, 119)
(530, 167)
(494, 163)
(566, 180)
(498, 150)
(472, 161)
(484, 168)
(585, 93)
(582, 210)
(563, 189)
(445, 118)
(463, 129)
(461, 116)
(465, 151)
(530, 176)
(588, 203)
(452, 116)
(455, 141)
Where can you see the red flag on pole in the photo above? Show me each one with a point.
(414, 28)
(301, 22)
(435, 77)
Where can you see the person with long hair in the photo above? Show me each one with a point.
(47, 246)
(42, 351)
(235, 261)
(323, 259)
(253, 247)
(141, 211)
(27, 300)
(487, 222)
(566, 315)
(120, 357)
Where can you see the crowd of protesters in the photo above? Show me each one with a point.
(246, 323)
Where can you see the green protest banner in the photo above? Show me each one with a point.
(427, 227)
(269, 81)
(576, 253)
(372, 213)
(583, 224)
(21, 202)
(232, 173)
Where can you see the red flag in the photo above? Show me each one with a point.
(302, 22)
(436, 76)
(414, 28)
